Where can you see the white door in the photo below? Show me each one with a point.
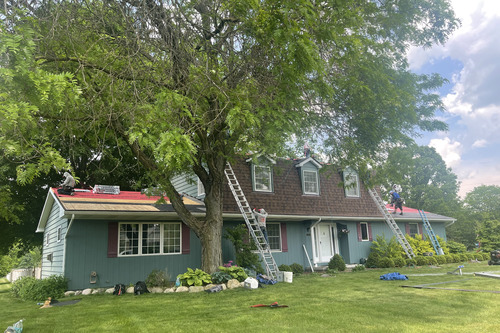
(325, 239)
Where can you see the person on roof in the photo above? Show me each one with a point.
(397, 201)
(68, 186)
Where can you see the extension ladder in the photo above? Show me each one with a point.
(430, 232)
(391, 223)
(252, 224)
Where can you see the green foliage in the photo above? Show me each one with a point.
(358, 268)
(399, 262)
(489, 234)
(12, 259)
(455, 247)
(456, 257)
(421, 260)
(372, 260)
(419, 245)
(236, 272)
(449, 258)
(220, 277)
(158, 278)
(385, 262)
(30, 289)
(390, 249)
(33, 258)
(441, 260)
(284, 268)
(411, 262)
(463, 257)
(297, 268)
(245, 251)
(432, 260)
(337, 263)
(194, 278)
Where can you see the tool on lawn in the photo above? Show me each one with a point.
(272, 305)
(459, 269)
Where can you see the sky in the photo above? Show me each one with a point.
(470, 60)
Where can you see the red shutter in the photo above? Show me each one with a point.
(370, 236)
(112, 239)
(284, 240)
(360, 236)
(407, 228)
(186, 238)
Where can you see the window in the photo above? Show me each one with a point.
(201, 188)
(413, 229)
(47, 238)
(364, 231)
(262, 178)
(274, 236)
(351, 183)
(149, 238)
(310, 182)
(59, 232)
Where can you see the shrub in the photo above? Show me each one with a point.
(385, 262)
(449, 258)
(298, 268)
(158, 278)
(30, 289)
(471, 256)
(486, 256)
(432, 260)
(337, 263)
(421, 260)
(244, 251)
(456, 257)
(441, 259)
(285, 268)
(399, 262)
(358, 268)
(463, 257)
(11, 259)
(372, 260)
(456, 247)
(195, 278)
(236, 272)
(220, 277)
(411, 262)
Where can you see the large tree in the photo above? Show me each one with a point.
(188, 85)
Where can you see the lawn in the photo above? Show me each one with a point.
(344, 302)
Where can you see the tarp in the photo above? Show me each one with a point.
(393, 276)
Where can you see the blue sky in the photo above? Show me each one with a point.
(470, 60)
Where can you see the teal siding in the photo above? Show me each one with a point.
(87, 251)
(54, 248)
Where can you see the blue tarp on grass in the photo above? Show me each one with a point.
(393, 276)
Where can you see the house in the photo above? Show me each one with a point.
(315, 211)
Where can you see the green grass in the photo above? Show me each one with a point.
(345, 302)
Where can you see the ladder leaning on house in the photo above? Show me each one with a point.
(430, 232)
(252, 224)
(391, 223)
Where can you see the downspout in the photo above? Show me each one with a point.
(65, 242)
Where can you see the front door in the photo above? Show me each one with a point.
(325, 242)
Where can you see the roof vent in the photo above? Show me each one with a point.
(107, 189)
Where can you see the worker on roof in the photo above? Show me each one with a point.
(396, 201)
(68, 186)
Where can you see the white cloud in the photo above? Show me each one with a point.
(448, 149)
(479, 143)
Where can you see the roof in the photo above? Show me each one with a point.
(85, 204)
(412, 213)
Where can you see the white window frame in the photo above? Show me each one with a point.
(409, 229)
(365, 224)
(201, 188)
(262, 185)
(59, 234)
(140, 239)
(304, 188)
(351, 177)
(280, 240)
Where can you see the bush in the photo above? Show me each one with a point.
(236, 272)
(432, 260)
(30, 289)
(372, 260)
(298, 268)
(158, 278)
(456, 257)
(284, 268)
(399, 262)
(441, 259)
(421, 260)
(358, 268)
(449, 258)
(244, 250)
(486, 256)
(463, 257)
(220, 277)
(11, 260)
(385, 263)
(195, 278)
(411, 262)
(471, 256)
(456, 247)
(337, 263)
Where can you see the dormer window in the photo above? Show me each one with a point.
(262, 173)
(351, 183)
(262, 178)
(310, 181)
